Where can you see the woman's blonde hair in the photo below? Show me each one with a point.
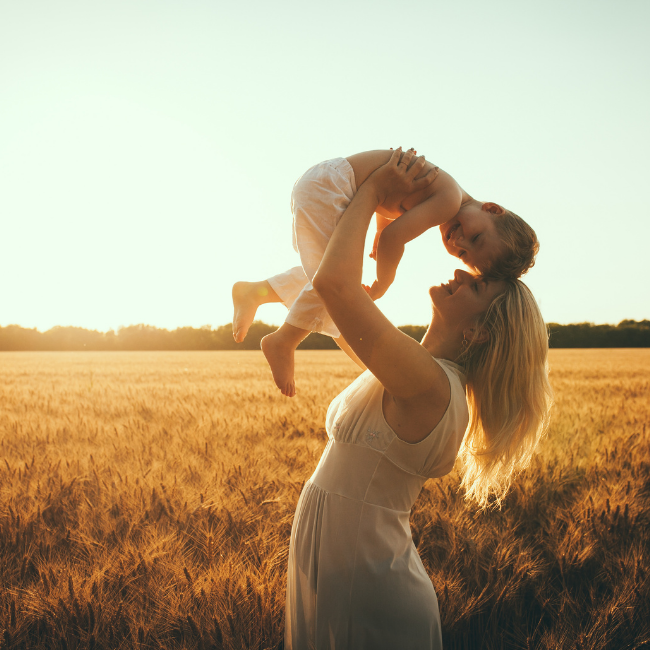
(508, 394)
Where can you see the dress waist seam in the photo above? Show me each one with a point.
(362, 501)
(383, 455)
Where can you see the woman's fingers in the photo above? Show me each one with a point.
(416, 167)
(407, 158)
(427, 179)
(395, 156)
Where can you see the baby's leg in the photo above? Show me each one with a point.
(279, 349)
(318, 200)
(247, 297)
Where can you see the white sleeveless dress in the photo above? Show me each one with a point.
(355, 579)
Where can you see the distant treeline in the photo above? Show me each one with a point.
(627, 334)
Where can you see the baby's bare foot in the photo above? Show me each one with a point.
(279, 354)
(246, 301)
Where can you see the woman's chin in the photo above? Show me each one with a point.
(435, 292)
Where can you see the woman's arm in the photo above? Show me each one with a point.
(404, 367)
(343, 344)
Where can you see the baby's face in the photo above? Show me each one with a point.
(472, 235)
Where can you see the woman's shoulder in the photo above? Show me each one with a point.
(457, 382)
(452, 370)
(413, 418)
(433, 454)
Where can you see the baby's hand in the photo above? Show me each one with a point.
(376, 291)
(373, 253)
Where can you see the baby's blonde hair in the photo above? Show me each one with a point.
(520, 246)
(508, 394)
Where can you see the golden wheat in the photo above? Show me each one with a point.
(146, 501)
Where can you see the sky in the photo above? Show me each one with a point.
(148, 148)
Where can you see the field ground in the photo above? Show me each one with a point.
(146, 501)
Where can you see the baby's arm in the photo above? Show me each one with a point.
(382, 222)
(436, 210)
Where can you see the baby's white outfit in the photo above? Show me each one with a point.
(319, 199)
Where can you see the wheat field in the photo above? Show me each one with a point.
(146, 501)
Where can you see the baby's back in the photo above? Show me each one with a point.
(366, 162)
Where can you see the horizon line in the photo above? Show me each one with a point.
(210, 327)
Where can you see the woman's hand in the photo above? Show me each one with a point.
(396, 180)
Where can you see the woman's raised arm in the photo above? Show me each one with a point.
(403, 366)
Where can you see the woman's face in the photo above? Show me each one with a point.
(462, 300)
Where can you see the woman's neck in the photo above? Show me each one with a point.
(440, 342)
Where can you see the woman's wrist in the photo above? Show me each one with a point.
(371, 192)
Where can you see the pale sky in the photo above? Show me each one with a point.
(148, 148)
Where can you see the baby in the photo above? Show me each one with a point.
(489, 239)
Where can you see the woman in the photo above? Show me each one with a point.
(355, 580)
